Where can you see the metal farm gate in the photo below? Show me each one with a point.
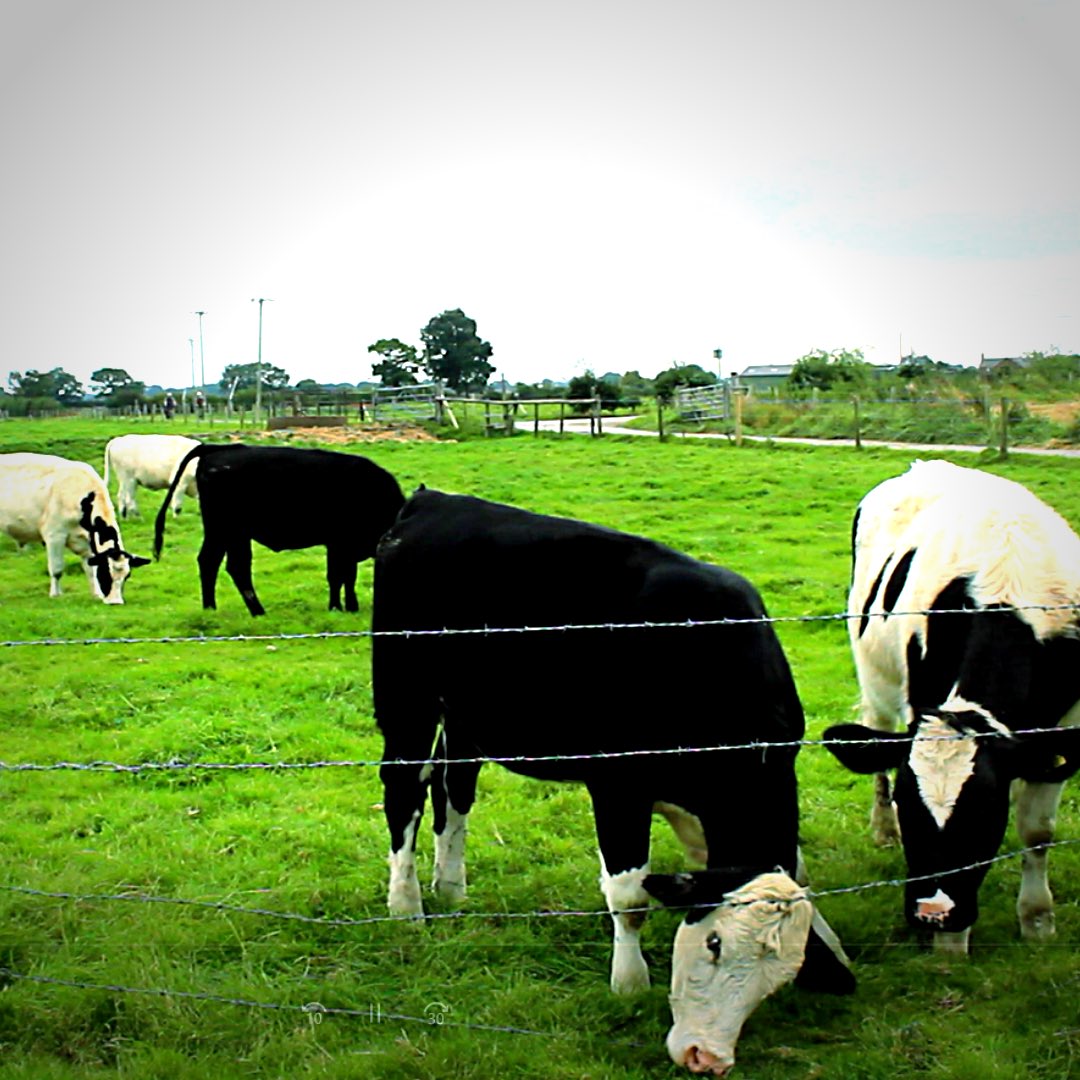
(704, 402)
(414, 404)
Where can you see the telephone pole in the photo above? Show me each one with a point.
(202, 361)
(258, 366)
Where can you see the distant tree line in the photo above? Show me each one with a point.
(452, 352)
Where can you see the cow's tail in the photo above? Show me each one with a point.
(159, 521)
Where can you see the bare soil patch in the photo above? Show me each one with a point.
(343, 436)
(1058, 412)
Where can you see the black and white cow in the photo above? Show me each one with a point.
(149, 460)
(963, 687)
(460, 563)
(284, 499)
(64, 504)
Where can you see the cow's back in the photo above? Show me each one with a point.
(943, 537)
(457, 563)
(150, 459)
(286, 498)
(43, 492)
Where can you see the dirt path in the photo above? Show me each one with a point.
(616, 426)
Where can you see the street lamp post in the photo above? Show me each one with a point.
(202, 360)
(191, 345)
(258, 366)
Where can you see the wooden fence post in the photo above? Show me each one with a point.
(562, 415)
(1003, 448)
(738, 415)
(660, 419)
(858, 431)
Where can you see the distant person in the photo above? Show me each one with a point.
(169, 406)
(200, 403)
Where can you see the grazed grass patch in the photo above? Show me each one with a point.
(313, 841)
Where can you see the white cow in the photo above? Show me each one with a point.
(149, 460)
(63, 503)
(968, 591)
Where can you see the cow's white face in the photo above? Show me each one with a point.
(110, 563)
(110, 573)
(727, 962)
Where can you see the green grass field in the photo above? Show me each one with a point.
(193, 990)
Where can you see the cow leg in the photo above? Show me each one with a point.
(404, 791)
(351, 603)
(884, 824)
(453, 791)
(210, 555)
(687, 827)
(1036, 812)
(54, 554)
(341, 571)
(124, 495)
(238, 567)
(622, 829)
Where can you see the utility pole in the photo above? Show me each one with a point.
(202, 360)
(191, 345)
(258, 366)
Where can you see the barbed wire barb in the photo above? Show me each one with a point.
(684, 624)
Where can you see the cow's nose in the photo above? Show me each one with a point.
(701, 1061)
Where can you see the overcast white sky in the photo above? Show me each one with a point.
(611, 185)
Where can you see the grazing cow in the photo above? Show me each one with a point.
(63, 503)
(285, 499)
(149, 460)
(997, 656)
(461, 563)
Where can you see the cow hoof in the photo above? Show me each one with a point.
(635, 984)
(1037, 925)
(885, 830)
(405, 900)
(952, 943)
(451, 891)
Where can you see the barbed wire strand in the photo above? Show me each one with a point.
(315, 1008)
(682, 624)
(176, 765)
(323, 920)
(372, 1014)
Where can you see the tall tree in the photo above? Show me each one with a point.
(116, 387)
(454, 353)
(57, 384)
(587, 385)
(665, 384)
(274, 378)
(822, 370)
(398, 363)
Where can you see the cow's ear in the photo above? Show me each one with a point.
(672, 890)
(137, 560)
(1045, 757)
(825, 968)
(865, 749)
(95, 559)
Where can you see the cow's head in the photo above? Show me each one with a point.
(953, 772)
(111, 563)
(735, 947)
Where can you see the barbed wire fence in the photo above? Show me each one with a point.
(317, 1011)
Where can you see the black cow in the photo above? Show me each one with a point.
(462, 564)
(285, 499)
(997, 654)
